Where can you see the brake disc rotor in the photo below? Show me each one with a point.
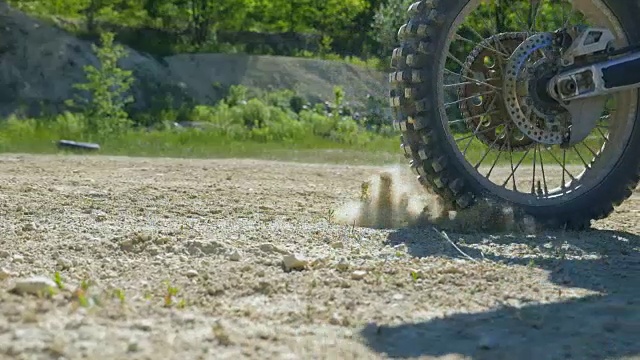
(543, 121)
(487, 115)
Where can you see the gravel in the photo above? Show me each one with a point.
(224, 259)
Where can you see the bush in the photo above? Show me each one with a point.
(106, 90)
(243, 115)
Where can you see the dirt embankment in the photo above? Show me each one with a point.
(39, 65)
(231, 259)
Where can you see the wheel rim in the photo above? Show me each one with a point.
(507, 170)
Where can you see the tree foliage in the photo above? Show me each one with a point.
(363, 28)
(108, 88)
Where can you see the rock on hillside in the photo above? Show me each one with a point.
(40, 63)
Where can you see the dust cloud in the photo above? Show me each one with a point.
(395, 199)
(392, 199)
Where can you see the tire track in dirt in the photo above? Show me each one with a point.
(174, 259)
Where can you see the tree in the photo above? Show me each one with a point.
(107, 87)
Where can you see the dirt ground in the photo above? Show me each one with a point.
(183, 259)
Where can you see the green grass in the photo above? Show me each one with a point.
(202, 144)
(192, 143)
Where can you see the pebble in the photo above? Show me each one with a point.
(17, 258)
(342, 265)
(294, 262)
(337, 245)
(235, 256)
(270, 248)
(33, 285)
(191, 273)
(358, 274)
(29, 227)
(144, 325)
(64, 264)
(487, 342)
(5, 274)
(153, 250)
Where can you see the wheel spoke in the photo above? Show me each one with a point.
(473, 117)
(464, 83)
(563, 164)
(494, 50)
(533, 178)
(515, 187)
(513, 170)
(468, 98)
(580, 156)
(478, 82)
(488, 151)
(595, 155)
(476, 133)
(544, 177)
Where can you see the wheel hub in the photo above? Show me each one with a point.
(487, 115)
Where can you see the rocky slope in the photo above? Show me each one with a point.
(40, 63)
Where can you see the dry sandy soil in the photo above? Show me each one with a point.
(183, 259)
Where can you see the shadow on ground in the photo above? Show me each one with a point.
(594, 327)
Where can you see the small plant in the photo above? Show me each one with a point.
(57, 278)
(331, 215)
(169, 296)
(80, 294)
(120, 295)
(365, 191)
(182, 304)
(415, 275)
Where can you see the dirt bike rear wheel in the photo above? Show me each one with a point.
(421, 95)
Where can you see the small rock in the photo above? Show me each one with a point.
(126, 245)
(184, 258)
(17, 258)
(337, 245)
(398, 297)
(5, 274)
(29, 227)
(133, 346)
(294, 262)
(153, 250)
(4, 254)
(268, 247)
(64, 264)
(191, 273)
(33, 285)
(161, 240)
(335, 319)
(487, 342)
(358, 274)
(343, 265)
(235, 256)
(144, 325)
